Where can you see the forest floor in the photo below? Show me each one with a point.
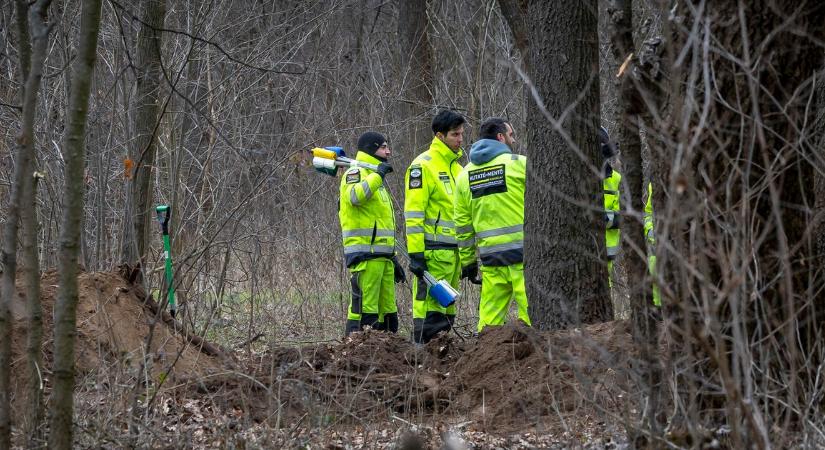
(510, 387)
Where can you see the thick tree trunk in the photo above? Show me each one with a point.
(33, 69)
(564, 242)
(138, 216)
(416, 72)
(65, 310)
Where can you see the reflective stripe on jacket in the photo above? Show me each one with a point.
(429, 186)
(366, 214)
(489, 211)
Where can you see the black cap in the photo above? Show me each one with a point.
(370, 142)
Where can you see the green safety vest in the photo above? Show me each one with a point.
(366, 214)
(489, 211)
(611, 212)
(428, 200)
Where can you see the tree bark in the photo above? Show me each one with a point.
(65, 310)
(564, 242)
(145, 120)
(416, 72)
(817, 329)
(33, 69)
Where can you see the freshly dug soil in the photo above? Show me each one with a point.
(510, 379)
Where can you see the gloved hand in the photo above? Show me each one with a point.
(418, 264)
(471, 273)
(383, 169)
(398, 271)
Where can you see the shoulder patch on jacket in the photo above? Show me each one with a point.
(416, 177)
(353, 176)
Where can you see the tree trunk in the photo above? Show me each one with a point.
(564, 242)
(817, 329)
(138, 216)
(634, 195)
(734, 218)
(33, 69)
(30, 271)
(416, 72)
(65, 309)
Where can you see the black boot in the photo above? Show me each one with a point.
(352, 326)
(370, 320)
(391, 322)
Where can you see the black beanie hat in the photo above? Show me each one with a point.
(370, 142)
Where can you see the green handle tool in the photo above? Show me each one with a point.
(164, 211)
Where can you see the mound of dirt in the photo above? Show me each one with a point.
(511, 378)
(113, 327)
(514, 377)
(500, 381)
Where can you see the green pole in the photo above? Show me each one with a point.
(164, 211)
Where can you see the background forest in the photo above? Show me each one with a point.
(110, 108)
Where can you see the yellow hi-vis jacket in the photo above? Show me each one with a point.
(611, 212)
(366, 214)
(489, 205)
(651, 239)
(428, 201)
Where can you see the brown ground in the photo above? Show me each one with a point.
(509, 380)
(112, 326)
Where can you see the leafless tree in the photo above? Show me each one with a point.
(22, 194)
(74, 145)
(629, 104)
(147, 69)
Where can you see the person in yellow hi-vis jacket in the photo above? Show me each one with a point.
(368, 231)
(611, 184)
(651, 244)
(428, 213)
(489, 216)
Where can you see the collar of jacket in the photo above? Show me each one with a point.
(367, 158)
(444, 152)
